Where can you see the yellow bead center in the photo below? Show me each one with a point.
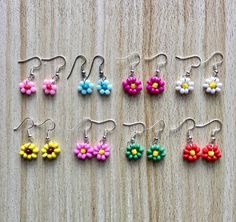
(213, 85)
(192, 152)
(155, 85)
(101, 151)
(83, 150)
(211, 153)
(185, 85)
(133, 86)
(155, 153)
(134, 151)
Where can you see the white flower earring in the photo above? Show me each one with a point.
(185, 85)
(212, 85)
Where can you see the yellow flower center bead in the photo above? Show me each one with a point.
(101, 151)
(133, 86)
(211, 153)
(83, 150)
(134, 151)
(213, 85)
(155, 153)
(155, 85)
(192, 152)
(185, 85)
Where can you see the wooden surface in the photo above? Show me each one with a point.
(117, 190)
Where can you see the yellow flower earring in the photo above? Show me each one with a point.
(51, 148)
(28, 150)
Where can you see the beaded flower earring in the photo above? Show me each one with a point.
(49, 85)
(155, 84)
(185, 85)
(156, 152)
(133, 150)
(51, 148)
(103, 85)
(84, 150)
(27, 86)
(28, 150)
(102, 150)
(132, 85)
(85, 86)
(213, 85)
(211, 151)
(191, 151)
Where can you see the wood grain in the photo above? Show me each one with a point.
(117, 190)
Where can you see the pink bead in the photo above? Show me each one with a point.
(132, 86)
(49, 87)
(101, 151)
(27, 87)
(155, 85)
(83, 151)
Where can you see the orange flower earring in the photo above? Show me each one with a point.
(211, 151)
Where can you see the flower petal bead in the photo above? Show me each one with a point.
(104, 87)
(27, 87)
(155, 85)
(83, 151)
(50, 150)
(156, 152)
(132, 85)
(29, 151)
(101, 151)
(49, 87)
(134, 151)
(212, 85)
(211, 152)
(85, 87)
(184, 86)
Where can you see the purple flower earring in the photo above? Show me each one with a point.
(155, 84)
(27, 86)
(49, 85)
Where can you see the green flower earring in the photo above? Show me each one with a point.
(156, 152)
(133, 150)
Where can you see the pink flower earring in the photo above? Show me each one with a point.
(27, 86)
(49, 85)
(102, 150)
(155, 84)
(132, 85)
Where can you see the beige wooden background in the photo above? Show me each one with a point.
(116, 190)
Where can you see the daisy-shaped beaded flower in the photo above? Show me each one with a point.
(191, 152)
(184, 85)
(104, 87)
(29, 151)
(132, 85)
(83, 151)
(101, 151)
(49, 87)
(27, 87)
(134, 151)
(211, 152)
(212, 85)
(156, 152)
(85, 87)
(50, 150)
(155, 85)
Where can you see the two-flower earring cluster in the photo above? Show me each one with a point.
(101, 151)
(29, 149)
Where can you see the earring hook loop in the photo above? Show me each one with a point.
(136, 132)
(161, 63)
(215, 131)
(101, 74)
(83, 73)
(49, 129)
(62, 66)
(30, 127)
(134, 55)
(160, 131)
(218, 63)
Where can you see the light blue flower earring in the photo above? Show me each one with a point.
(85, 86)
(103, 85)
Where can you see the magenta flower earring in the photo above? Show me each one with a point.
(49, 85)
(85, 87)
(132, 85)
(27, 86)
(155, 84)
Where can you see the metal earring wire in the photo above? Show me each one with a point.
(49, 129)
(56, 76)
(158, 132)
(82, 70)
(32, 76)
(30, 127)
(101, 73)
(134, 64)
(159, 65)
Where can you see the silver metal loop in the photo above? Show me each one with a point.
(83, 73)
(158, 132)
(135, 132)
(160, 64)
(31, 126)
(101, 73)
(49, 129)
(133, 55)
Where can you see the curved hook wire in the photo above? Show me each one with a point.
(34, 67)
(190, 57)
(82, 66)
(136, 123)
(132, 65)
(31, 126)
(101, 74)
(181, 124)
(103, 122)
(156, 56)
(218, 63)
(49, 129)
(160, 130)
(56, 57)
(215, 131)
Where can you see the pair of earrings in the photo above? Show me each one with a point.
(101, 151)
(155, 84)
(85, 86)
(192, 151)
(30, 151)
(28, 86)
(155, 152)
(212, 85)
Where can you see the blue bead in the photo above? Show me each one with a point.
(89, 90)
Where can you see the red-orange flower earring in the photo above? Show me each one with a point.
(211, 151)
(191, 151)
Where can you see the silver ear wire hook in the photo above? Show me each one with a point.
(31, 76)
(49, 129)
(189, 133)
(159, 64)
(31, 126)
(160, 131)
(216, 64)
(101, 73)
(215, 131)
(192, 66)
(83, 73)
(58, 70)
